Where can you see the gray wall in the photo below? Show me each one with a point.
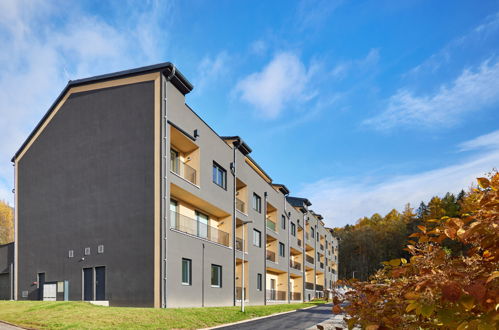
(88, 180)
(6, 260)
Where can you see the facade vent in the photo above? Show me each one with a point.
(71, 254)
(87, 251)
(100, 249)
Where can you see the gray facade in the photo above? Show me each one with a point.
(122, 174)
(6, 271)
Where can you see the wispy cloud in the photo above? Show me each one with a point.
(346, 200)
(210, 69)
(44, 45)
(284, 80)
(487, 141)
(312, 14)
(473, 90)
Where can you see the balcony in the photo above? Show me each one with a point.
(197, 228)
(319, 287)
(295, 295)
(239, 244)
(309, 286)
(271, 225)
(270, 256)
(183, 170)
(322, 265)
(240, 206)
(295, 265)
(309, 259)
(276, 295)
(299, 242)
(239, 293)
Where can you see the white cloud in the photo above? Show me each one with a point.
(282, 82)
(210, 69)
(344, 201)
(312, 14)
(473, 90)
(44, 45)
(487, 141)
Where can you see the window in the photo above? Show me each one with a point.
(257, 203)
(283, 221)
(282, 250)
(174, 161)
(87, 251)
(317, 237)
(174, 216)
(100, 249)
(216, 276)
(219, 176)
(186, 271)
(71, 253)
(202, 224)
(259, 282)
(257, 238)
(312, 233)
(293, 229)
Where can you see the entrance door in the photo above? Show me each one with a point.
(272, 289)
(88, 284)
(100, 283)
(50, 292)
(41, 282)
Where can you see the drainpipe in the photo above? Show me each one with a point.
(164, 183)
(286, 215)
(265, 247)
(233, 168)
(315, 258)
(304, 228)
(202, 278)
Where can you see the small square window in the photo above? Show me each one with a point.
(216, 276)
(87, 251)
(71, 253)
(100, 249)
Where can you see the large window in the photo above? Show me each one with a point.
(282, 250)
(219, 176)
(174, 161)
(293, 229)
(257, 203)
(186, 271)
(216, 276)
(259, 282)
(257, 238)
(283, 221)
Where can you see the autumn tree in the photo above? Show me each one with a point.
(434, 288)
(6, 223)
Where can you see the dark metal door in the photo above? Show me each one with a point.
(100, 283)
(88, 284)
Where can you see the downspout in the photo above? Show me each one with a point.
(304, 228)
(164, 186)
(202, 278)
(315, 258)
(265, 247)
(233, 169)
(289, 248)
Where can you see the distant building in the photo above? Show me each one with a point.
(125, 195)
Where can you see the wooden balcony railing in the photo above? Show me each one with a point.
(194, 227)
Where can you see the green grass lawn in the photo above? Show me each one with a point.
(81, 315)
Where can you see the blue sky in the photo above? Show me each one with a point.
(361, 106)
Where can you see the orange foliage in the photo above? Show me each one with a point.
(437, 289)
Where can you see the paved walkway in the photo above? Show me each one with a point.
(301, 319)
(5, 326)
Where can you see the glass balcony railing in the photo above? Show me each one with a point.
(183, 170)
(295, 265)
(240, 206)
(309, 286)
(271, 224)
(309, 259)
(319, 287)
(197, 228)
(276, 295)
(295, 295)
(299, 242)
(239, 293)
(271, 256)
(239, 244)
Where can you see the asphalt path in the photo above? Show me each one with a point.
(301, 319)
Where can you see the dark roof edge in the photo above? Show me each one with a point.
(242, 146)
(282, 188)
(178, 80)
(301, 199)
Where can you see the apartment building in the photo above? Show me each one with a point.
(125, 196)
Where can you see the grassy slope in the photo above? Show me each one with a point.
(80, 315)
